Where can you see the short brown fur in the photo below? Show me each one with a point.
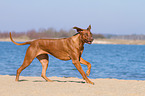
(64, 49)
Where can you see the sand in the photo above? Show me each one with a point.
(37, 86)
(119, 41)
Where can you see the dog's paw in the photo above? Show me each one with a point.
(90, 82)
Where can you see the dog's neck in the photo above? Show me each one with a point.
(77, 38)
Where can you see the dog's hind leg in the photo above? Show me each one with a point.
(43, 58)
(30, 55)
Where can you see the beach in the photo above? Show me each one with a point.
(62, 86)
(119, 41)
(37, 86)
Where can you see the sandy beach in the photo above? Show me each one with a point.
(36, 86)
(119, 41)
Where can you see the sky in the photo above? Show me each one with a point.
(105, 16)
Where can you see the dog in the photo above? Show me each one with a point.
(64, 49)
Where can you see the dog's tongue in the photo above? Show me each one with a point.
(89, 42)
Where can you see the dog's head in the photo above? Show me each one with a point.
(86, 35)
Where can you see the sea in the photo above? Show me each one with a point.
(125, 62)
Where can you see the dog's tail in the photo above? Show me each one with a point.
(18, 43)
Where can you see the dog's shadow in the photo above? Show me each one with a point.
(60, 81)
(69, 81)
(24, 80)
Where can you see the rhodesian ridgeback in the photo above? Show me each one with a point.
(64, 49)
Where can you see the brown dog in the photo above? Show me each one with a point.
(63, 49)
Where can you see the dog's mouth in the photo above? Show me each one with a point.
(89, 42)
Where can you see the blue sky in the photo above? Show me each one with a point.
(105, 16)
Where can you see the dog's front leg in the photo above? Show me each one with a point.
(86, 63)
(78, 66)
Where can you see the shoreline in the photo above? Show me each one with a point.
(96, 41)
(37, 86)
(119, 41)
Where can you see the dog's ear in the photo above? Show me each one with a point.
(89, 28)
(78, 29)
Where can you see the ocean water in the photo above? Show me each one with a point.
(108, 61)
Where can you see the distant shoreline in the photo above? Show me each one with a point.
(119, 41)
(96, 41)
(15, 39)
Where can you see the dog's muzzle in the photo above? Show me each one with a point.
(89, 41)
